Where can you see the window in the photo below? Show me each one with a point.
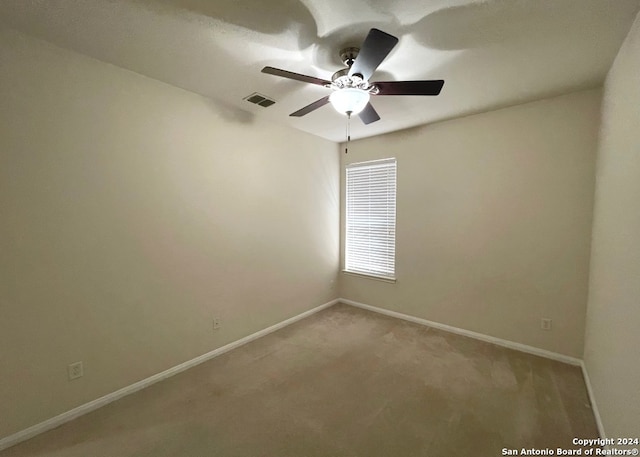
(370, 244)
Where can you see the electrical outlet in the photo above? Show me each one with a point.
(75, 370)
(216, 323)
(545, 324)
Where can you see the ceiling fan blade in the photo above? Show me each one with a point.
(375, 48)
(369, 114)
(296, 76)
(312, 107)
(432, 87)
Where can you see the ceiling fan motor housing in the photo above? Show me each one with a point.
(342, 80)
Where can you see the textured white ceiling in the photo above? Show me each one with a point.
(490, 53)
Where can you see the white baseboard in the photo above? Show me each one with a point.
(56, 421)
(60, 419)
(500, 342)
(592, 399)
(478, 336)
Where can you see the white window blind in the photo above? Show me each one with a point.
(370, 244)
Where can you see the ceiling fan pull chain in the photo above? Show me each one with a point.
(346, 147)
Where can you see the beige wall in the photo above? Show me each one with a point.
(613, 317)
(493, 221)
(132, 212)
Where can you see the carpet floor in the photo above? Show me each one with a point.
(344, 382)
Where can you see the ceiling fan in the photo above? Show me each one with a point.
(351, 86)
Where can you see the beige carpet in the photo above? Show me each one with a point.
(342, 383)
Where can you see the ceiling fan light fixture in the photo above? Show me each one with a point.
(349, 100)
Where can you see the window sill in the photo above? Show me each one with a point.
(370, 276)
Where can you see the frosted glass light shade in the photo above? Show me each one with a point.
(349, 100)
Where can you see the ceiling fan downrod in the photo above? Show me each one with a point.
(348, 56)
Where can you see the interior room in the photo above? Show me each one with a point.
(322, 228)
